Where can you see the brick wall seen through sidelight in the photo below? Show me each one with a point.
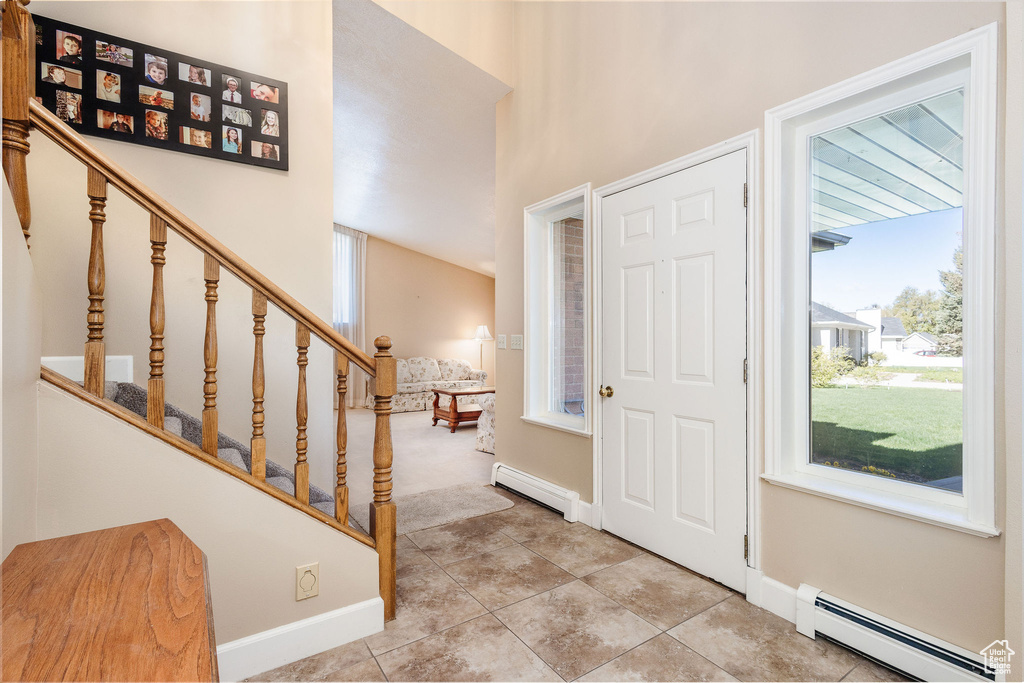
(568, 316)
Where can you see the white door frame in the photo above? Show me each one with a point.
(751, 142)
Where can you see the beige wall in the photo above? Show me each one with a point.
(100, 472)
(479, 32)
(19, 366)
(428, 307)
(643, 83)
(280, 222)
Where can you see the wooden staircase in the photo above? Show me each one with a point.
(21, 113)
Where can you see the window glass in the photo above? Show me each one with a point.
(886, 302)
(568, 321)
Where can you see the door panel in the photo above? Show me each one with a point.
(674, 341)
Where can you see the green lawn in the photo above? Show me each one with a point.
(916, 434)
(930, 373)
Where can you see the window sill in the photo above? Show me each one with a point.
(921, 511)
(541, 422)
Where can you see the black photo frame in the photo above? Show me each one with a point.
(112, 89)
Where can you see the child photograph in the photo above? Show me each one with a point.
(231, 141)
(115, 54)
(118, 123)
(69, 106)
(260, 91)
(108, 86)
(156, 124)
(61, 75)
(231, 85)
(195, 137)
(156, 97)
(270, 125)
(69, 48)
(200, 107)
(193, 74)
(156, 69)
(265, 150)
(236, 115)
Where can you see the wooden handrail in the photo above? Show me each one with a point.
(69, 140)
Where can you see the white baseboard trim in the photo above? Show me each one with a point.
(285, 644)
(776, 597)
(590, 515)
(558, 497)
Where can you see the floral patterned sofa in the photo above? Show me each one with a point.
(418, 377)
(485, 425)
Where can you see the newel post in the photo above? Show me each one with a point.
(19, 84)
(383, 517)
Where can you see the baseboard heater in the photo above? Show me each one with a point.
(900, 647)
(544, 492)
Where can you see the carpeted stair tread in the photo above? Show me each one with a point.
(133, 397)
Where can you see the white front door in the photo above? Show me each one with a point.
(674, 345)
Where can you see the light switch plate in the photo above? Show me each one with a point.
(517, 342)
(307, 581)
(501, 341)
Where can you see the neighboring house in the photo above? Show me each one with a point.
(832, 329)
(887, 333)
(920, 341)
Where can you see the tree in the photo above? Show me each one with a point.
(918, 311)
(950, 321)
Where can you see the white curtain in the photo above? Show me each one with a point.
(349, 300)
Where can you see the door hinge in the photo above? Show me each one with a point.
(744, 370)
(746, 548)
(744, 195)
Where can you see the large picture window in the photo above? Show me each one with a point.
(880, 293)
(557, 282)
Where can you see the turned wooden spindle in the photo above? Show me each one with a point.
(211, 273)
(258, 444)
(301, 415)
(155, 392)
(19, 84)
(383, 515)
(95, 349)
(341, 487)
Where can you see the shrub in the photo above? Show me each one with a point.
(877, 357)
(828, 365)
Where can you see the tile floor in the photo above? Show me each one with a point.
(522, 595)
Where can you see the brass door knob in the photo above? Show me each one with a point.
(606, 392)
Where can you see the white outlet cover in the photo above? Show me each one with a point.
(501, 341)
(517, 342)
(307, 581)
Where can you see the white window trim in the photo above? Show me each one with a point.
(537, 379)
(786, 344)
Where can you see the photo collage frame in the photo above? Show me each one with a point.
(120, 89)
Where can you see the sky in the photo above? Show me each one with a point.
(884, 257)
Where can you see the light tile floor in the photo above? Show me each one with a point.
(522, 595)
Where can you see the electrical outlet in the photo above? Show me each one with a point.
(501, 341)
(307, 581)
(517, 342)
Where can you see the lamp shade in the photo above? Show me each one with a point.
(482, 334)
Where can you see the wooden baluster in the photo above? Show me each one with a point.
(258, 444)
(341, 488)
(211, 272)
(155, 393)
(19, 84)
(301, 415)
(95, 349)
(383, 517)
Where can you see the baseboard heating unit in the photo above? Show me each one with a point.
(544, 492)
(908, 650)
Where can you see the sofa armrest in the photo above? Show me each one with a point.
(478, 375)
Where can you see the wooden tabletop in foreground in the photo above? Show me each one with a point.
(124, 604)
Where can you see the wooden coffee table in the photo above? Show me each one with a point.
(453, 414)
